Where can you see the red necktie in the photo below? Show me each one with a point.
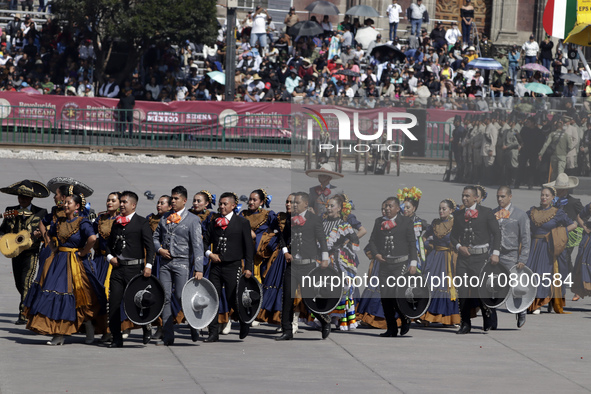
(388, 225)
(222, 222)
(326, 191)
(503, 214)
(470, 214)
(123, 220)
(298, 220)
(174, 218)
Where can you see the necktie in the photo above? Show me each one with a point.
(222, 222)
(503, 214)
(298, 220)
(174, 218)
(123, 220)
(388, 225)
(326, 191)
(470, 214)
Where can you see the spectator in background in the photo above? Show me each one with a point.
(290, 19)
(467, 15)
(393, 11)
(546, 53)
(110, 88)
(125, 109)
(530, 49)
(258, 34)
(452, 35)
(513, 58)
(416, 12)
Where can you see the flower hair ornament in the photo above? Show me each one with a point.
(210, 198)
(482, 191)
(454, 205)
(413, 193)
(267, 198)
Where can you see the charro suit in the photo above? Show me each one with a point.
(482, 231)
(515, 236)
(398, 247)
(233, 245)
(25, 264)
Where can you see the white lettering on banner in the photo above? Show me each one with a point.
(36, 109)
(162, 117)
(345, 125)
(361, 148)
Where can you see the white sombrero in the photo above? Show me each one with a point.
(564, 181)
(326, 169)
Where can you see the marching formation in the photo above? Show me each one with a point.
(117, 271)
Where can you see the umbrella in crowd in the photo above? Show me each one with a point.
(217, 76)
(423, 92)
(539, 88)
(535, 67)
(30, 90)
(363, 10)
(388, 52)
(349, 73)
(365, 36)
(571, 77)
(305, 28)
(485, 63)
(322, 7)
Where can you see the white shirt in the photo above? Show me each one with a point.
(417, 11)
(394, 11)
(452, 35)
(531, 48)
(259, 24)
(229, 217)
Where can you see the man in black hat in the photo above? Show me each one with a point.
(393, 244)
(474, 233)
(231, 243)
(309, 244)
(130, 237)
(24, 265)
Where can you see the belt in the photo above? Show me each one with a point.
(302, 261)
(396, 260)
(130, 262)
(542, 236)
(477, 250)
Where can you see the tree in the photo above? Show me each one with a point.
(138, 24)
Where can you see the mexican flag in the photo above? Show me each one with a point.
(560, 17)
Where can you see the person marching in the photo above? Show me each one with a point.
(582, 270)
(66, 294)
(229, 236)
(546, 221)
(309, 243)
(24, 264)
(442, 262)
(474, 233)
(515, 235)
(130, 251)
(411, 199)
(179, 241)
(393, 245)
(320, 194)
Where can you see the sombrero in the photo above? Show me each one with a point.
(56, 182)
(28, 188)
(326, 169)
(564, 181)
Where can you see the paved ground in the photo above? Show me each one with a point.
(550, 353)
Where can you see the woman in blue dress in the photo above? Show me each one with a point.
(441, 262)
(541, 261)
(582, 269)
(411, 199)
(66, 293)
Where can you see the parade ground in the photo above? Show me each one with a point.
(551, 353)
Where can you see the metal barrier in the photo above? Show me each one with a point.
(437, 143)
(97, 126)
(262, 133)
(26, 124)
(183, 130)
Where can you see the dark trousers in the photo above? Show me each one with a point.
(388, 293)
(292, 279)
(120, 277)
(468, 296)
(125, 121)
(527, 170)
(225, 274)
(24, 268)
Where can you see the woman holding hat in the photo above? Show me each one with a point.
(440, 263)
(66, 294)
(546, 221)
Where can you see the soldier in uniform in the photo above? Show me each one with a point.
(24, 265)
(489, 149)
(515, 235)
(561, 144)
(459, 133)
(474, 233)
(572, 130)
(392, 243)
(510, 143)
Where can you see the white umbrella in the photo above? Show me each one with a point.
(365, 36)
(217, 76)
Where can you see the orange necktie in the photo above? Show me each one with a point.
(174, 218)
(502, 214)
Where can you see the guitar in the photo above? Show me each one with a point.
(11, 245)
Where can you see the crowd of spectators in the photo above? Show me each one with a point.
(336, 66)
